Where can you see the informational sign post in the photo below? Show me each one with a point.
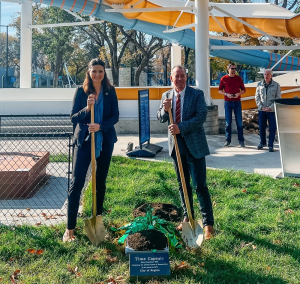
(145, 149)
(147, 265)
(144, 119)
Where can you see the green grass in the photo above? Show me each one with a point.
(59, 158)
(257, 221)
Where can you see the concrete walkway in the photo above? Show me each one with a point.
(248, 159)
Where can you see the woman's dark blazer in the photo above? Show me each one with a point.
(80, 117)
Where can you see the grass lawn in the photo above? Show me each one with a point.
(257, 222)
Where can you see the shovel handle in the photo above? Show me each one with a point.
(185, 193)
(93, 159)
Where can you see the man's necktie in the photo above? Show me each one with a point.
(178, 110)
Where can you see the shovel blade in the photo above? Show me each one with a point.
(95, 229)
(191, 238)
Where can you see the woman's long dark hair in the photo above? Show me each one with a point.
(88, 86)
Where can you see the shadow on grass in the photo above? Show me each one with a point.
(282, 249)
(216, 271)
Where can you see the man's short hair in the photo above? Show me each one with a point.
(179, 67)
(230, 64)
(270, 70)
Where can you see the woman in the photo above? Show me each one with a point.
(96, 90)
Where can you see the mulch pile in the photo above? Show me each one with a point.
(164, 211)
(250, 120)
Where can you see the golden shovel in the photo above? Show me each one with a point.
(94, 226)
(192, 232)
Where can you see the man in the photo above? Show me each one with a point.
(189, 111)
(266, 92)
(232, 87)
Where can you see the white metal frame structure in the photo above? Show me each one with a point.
(201, 9)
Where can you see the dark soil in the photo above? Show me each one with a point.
(164, 211)
(147, 240)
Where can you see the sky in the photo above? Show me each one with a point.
(7, 11)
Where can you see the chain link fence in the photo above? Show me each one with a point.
(35, 168)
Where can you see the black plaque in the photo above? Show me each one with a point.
(144, 117)
(147, 265)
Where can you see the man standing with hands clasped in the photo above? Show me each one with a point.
(267, 90)
(189, 111)
(232, 87)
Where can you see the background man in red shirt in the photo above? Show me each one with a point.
(232, 87)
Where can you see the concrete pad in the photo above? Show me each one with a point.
(247, 159)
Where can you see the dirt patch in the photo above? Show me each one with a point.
(164, 211)
(147, 240)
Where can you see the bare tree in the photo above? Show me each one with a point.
(143, 48)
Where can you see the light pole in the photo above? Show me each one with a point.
(6, 61)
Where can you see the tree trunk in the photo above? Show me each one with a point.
(57, 66)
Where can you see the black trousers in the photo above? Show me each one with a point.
(81, 162)
(195, 168)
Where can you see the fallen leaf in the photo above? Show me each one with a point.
(53, 227)
(288, 211)
(268, 268)
(296, 185)
(111, 259)
(254, 247)
(20, 214)
(77, 275)
(1, 279)
(15, 276)
(244, 244)
(43, 214)
(60, 214)
(111, 280)
(39, 251)
(120, 279)
(277, 241)
(28, 209)
(107, 251)
(201, 264)
(39, 224)
(244, 190)
(73, 270)
(31, 251)
(11, 259)
(181, 266)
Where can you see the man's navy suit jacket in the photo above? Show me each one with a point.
(193, 117)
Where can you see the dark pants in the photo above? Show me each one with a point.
(263, 117)
(197, 169)
(81, 162)
(236, 107)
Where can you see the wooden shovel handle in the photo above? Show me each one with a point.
(93, 159)
(185, 193)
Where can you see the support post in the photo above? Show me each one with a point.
(202, 48)
(175, 55)
(6, 60)
(26, 44)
